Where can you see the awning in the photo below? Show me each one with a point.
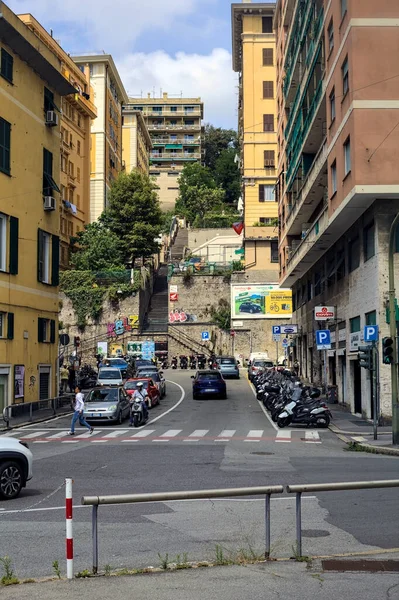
(174, 147)
(49, 183)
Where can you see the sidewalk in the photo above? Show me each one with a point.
(283, 580)
(353, 429)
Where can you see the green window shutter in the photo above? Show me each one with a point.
(52, 331)
(7, 64)
(40, 330)
(5, 144)
(39, 255)
(13, 249)
(48, 100)
(55, 260)
(10, 326)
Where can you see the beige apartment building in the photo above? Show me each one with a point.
(136, 141)
(254, 59)
(77, 113)
(106, 129)
(175, 127)
(338, 186)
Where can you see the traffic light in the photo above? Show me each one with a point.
(76, 341)
(387, 350)
(365, 356)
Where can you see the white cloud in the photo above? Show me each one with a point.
(209, 76)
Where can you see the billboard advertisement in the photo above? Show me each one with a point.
(260, 301)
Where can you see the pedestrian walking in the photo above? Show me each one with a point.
(64, 374)
(78, 412)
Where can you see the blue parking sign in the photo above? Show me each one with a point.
(371, 333)
(205, 335)
(323, 339)
(276, 329)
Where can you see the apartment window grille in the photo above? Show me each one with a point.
(347, 156)
(49, 184)
(7, 65)
(345, 76)
(274, 252)
(333, 178)
(268, 89)
(369, 241)
(268, 57)
(332, 105)
(353, 254)
(269, 159)
(5, 146)
(266, 193)
(268, 122)
(267, 24)
(330, 32)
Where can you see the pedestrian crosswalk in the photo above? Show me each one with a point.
(163, 436)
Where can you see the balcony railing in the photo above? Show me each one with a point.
(166, 111)
(300, 21)
(173, 156)
(167, 126)
(181, 142)
(312, 234)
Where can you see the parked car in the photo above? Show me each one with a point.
(250, 307)
(109, 376)
(228, 366)
(15, 467)
(117, 363)
(160, 382)
(148, 384)
(209, 383)
(107, 404)
(257, 365)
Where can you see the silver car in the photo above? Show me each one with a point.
(228, 366)
(156, 376)
(109, 376)
(107, 404)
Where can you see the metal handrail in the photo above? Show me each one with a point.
(29, 408)
(95, 501)
(330, 487)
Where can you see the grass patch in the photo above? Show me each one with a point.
(57, 570)
(164, 561)
(9, 577)
(83, 574)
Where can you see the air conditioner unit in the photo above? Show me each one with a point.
(51, 118)
(49, 203)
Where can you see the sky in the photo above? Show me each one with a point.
(177, 46)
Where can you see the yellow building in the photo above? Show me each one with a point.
(78, 111)
(136, 141)
(254, 58)
(106, 129)
(31, 87)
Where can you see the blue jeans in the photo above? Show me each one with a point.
(77, 416)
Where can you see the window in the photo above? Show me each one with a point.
(63, 165)
(268, 122)
(354, 324)
(3, 242)
(353, 254)
(268, 57)
(79, 122)
(49, 184)
(267, 24)
(189, 109)
(9, 231)
(371, 318)
(369, 241)
(268, 159)
(5, 145)
(46, 331)
(333, 178)
(173, 109)
(266, 193)
(347, 156)
(78, 148)
(332, 105)
(48, 258)
(344, 7)
(268, 89)
(78, 200)
(268, 221)
(330, 32)
(48, 100)
(341, 264)
(274, 252)
(71, 195)
(78, 175)
(7, 62)
(345, 76)
(7, 325)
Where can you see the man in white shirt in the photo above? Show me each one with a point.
(140, 395)
(78, 414)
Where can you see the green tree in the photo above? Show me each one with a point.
(133, 201)
(227, 175)
(216, 140)
(195, 175)
(97, 248)
(222, 314)
(196, 201)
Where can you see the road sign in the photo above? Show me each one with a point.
(288, 329)
(276, 337)
(285, 343)
(64, 339)
(276, 329)
(322, 313)
(205, 335)
(323, 339)
(371, 333)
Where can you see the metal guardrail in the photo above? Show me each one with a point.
(330, 487)
(95, 501)
(267, 491)
(34, 411)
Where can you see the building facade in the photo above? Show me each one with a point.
(31, 88)
(106, 129)
(254, 59)
(338, 186)
(175, 127)
(136, 141)
(77, 112)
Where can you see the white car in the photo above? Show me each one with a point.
(110, 376)
(15, 467)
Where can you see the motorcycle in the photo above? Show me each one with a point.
(193, 363)
(138, 414)
(174, 362)
(310, 413)
(87, 377)
(183, 362)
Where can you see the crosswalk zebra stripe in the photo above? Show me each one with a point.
(116, 433)
(143, 433)
(312, 437)
(283, 436)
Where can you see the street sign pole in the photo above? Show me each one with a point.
(374, 391)
(276, 354)
(325, 372)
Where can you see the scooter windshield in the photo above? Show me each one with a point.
(296, 394)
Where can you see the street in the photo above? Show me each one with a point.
(188, 445)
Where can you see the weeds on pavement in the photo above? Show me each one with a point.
(9, 577)
(57, 570)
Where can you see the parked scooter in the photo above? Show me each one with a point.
(193, 362)
(311, 412)
(183, 362)
(174, 362)
(201, 360)
(138, 414)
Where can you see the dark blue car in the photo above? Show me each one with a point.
(208, 383)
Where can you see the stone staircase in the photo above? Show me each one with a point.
(156, 320)
(186, 342)
(179, 245)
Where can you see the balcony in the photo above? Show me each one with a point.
(171, 156)
(182, 142)
(260, 233)
(148, 112)
(309, 195)
(300, 23)
(168, 126)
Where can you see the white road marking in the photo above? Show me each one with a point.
(143, 433)
(255, 433)
(358, 438)
(183, 395)
(196, 435)
(226, 433)
(171, 433)
(99, 441)
(159, 440)
(283, 436)
(70, 442)
(115, 433)
(263, 408)
(60, 434)
(312, 437)
(130, 440)
(41, 442)
(34, 435)
(87, 434)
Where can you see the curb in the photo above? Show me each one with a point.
(362, 445)
(5, 430)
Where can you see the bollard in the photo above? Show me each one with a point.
(69, 533)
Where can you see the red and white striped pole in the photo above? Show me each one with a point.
(69, 535)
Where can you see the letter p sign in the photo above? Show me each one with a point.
(371, 333)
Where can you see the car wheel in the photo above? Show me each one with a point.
(11, 480)
(120, 417)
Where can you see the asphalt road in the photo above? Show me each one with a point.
(190, 445)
